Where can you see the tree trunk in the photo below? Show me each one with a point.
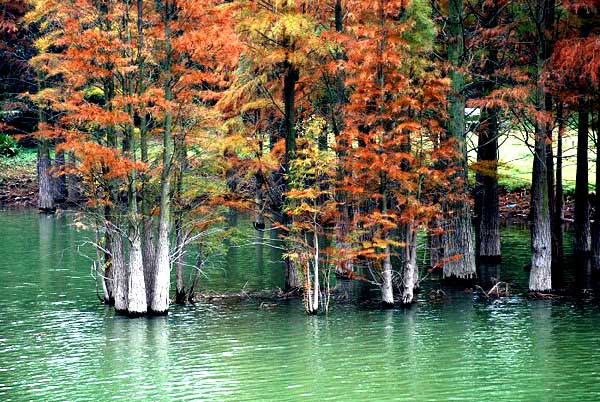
(180, 291)
(387, 289)
(60, 180)
(162, 279)
(180, 236)
(119, 274)
(73, 182)
(292, 281)
(45, 184)
(148, 256)
(436, 254)
(581, 236)
(550, 166)
(540, 278)
(596, 227)
(312, 297)
(137, 303)
(458, 239)
(104, 262)
(410, 269)
(558, 227)
(487, 191)
(259, 200)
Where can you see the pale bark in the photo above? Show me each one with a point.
(410, 270)
(103, 261)
(136, 294)
(120, 276)
(459, 254)
(162, 280)
(312, 296)
(387, 289)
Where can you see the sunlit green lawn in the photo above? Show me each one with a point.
(516, 161)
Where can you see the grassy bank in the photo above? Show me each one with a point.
(18, 178)
(516, 161)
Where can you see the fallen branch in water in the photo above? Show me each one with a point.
(496, 290)
(543, 296)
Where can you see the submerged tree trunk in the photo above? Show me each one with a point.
(104, 261)
(410, 271)
(162, 279)
(558, 227)
(596, 227)
(312, 290)
(148, 256)
(387, 289)
(459, 253)
(180, 236)
(45, 184)
(487, 191)
(540, 278)
(119, 274)
(259, 200)
(137, 303)
(581, 235)
(292, 280)
(180, 291)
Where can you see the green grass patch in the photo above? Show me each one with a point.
(516, 163)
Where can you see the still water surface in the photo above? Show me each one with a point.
(57, 343)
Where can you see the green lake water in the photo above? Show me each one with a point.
(58, 343)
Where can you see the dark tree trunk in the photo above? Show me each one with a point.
(73, 182)
(45, 183)
(180, 233)
(596, 227)
(436, 253)
(180, 291)
(487, 189)
(540, 278)
(557, 235)
(292, 280)
(550, 174)
(60, 180)
(458, 238)
(339, 16)
(487, 206)
(581, 236)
